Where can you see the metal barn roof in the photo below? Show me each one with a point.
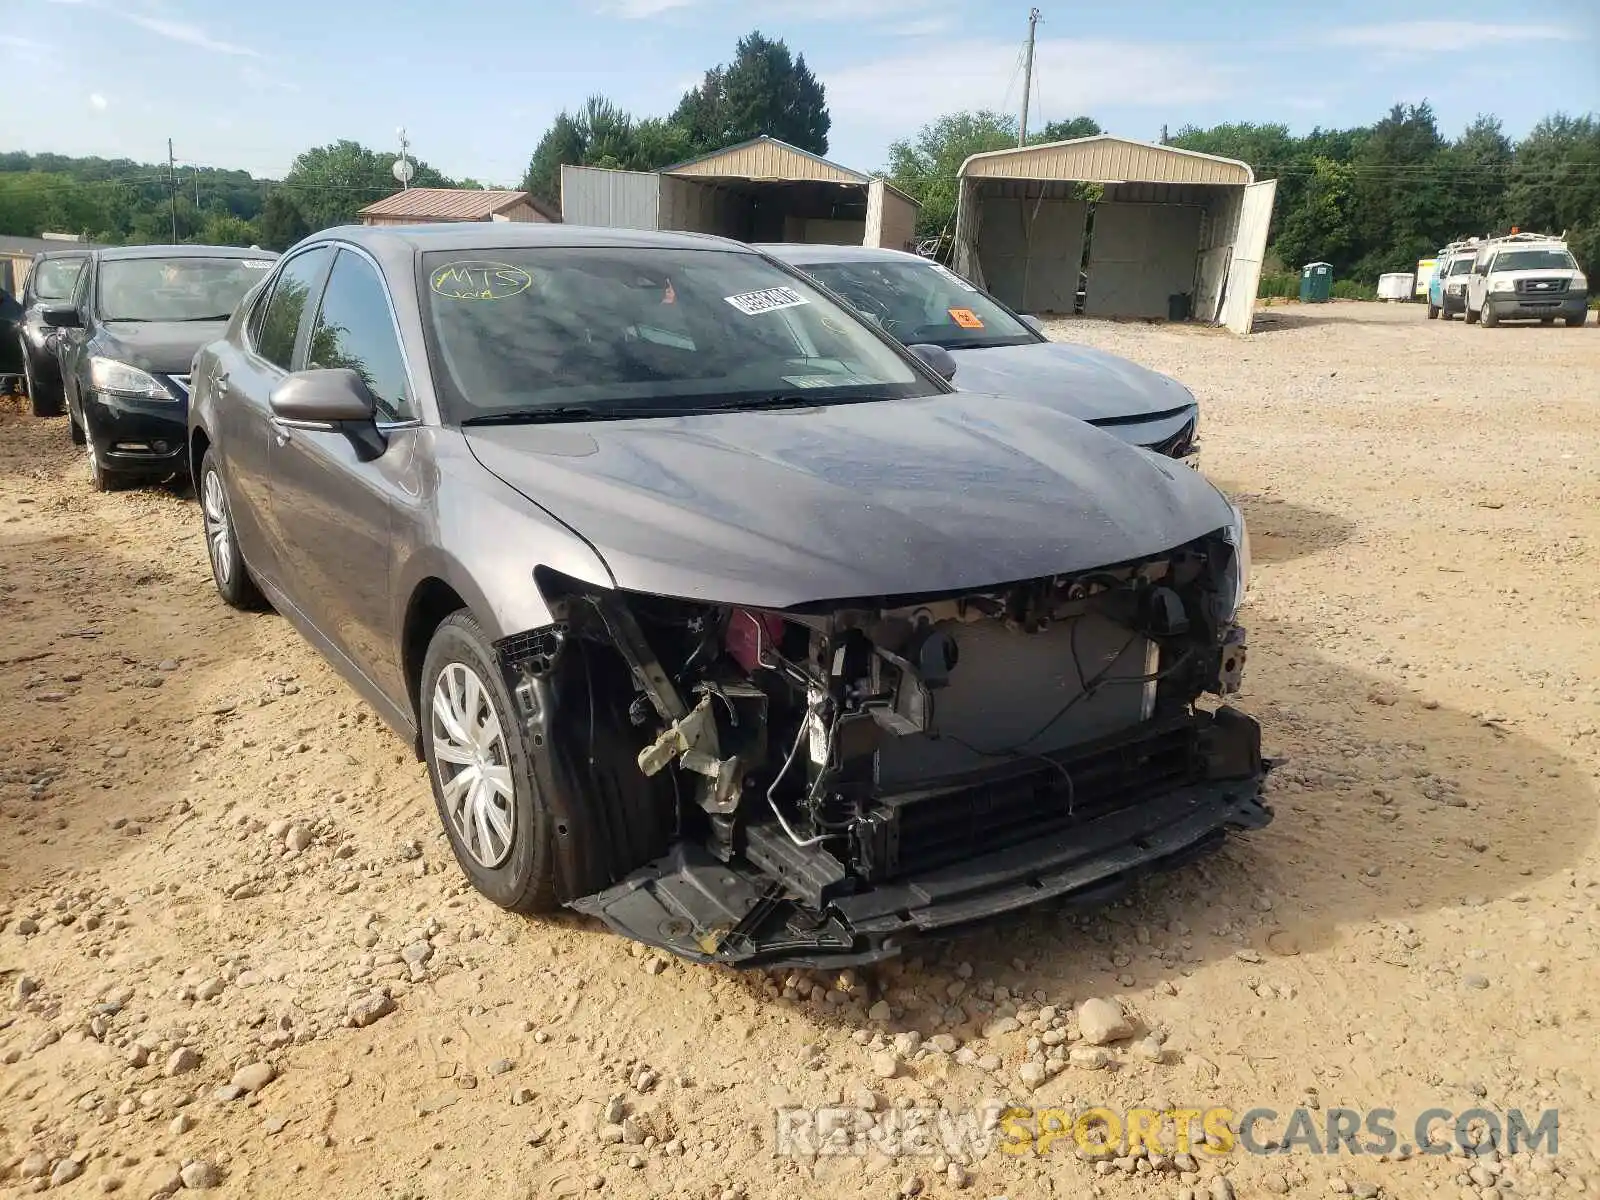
(1107, 159)
(448, 204)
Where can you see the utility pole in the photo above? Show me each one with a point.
(403, 173)
(1163, 135)
(172, 189)
(1027, 78)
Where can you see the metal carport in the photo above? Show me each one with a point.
(762, 190)
(1152, 227)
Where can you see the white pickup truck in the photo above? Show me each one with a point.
(1526, 277)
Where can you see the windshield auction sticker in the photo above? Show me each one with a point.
(753, 304)
(965, 318)
(474, 279)
(256, 264)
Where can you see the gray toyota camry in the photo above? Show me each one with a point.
(714, 612)
(993, 349)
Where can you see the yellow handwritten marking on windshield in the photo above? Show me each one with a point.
(475, 279)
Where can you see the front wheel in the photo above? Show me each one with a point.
(499, 826)
(1489, 316)
(1576, 322)
(1433, 312)
(1467, 315)
(43, 399)
(101, 477)
(228, 571)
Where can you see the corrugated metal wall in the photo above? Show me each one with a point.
(1106, 160)
(1142, 254)
(702, 207)
(523, 213)
(898, 230)
(1249, 251)
(1031, 251)
(611, 199)
(766, 160)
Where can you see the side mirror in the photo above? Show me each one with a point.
(331, 396)
(936, 358)
(1033, 323)
(64, 317)
(334, 399)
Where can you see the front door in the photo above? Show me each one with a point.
(333, 505)
(241, 380)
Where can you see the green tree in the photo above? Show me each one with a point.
(764, 91)
(1065, 131)
(565, 142)
(332, 183)
(1401, 193)
(1320, 227)
(1555, 186)
(924, 167)
(282, 224)
(225, 229)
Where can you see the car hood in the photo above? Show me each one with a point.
(894, 498)
(163, 347)
(1091, 384)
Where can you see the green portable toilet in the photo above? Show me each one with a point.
(1316, 283)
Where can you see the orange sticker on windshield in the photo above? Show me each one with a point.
(965, 318)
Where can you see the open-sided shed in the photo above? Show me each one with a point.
(759, 191)
(1118, 227)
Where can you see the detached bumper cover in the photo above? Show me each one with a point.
(695, 906)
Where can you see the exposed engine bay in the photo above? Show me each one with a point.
(839, 778)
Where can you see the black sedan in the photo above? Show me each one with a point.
(51, 279)
(993, 349)
(715, 612)
(126, 339)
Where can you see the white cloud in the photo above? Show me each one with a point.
(98, 102)
(1410, 38)
(192, 35)
(13, 42)
(1070, 77)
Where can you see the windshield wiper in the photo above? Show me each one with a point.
(218, 317)
(560, 414)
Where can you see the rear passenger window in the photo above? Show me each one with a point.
(355, 330)
(280, 320)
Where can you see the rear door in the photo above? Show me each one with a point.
(332, 512)
(240, 380)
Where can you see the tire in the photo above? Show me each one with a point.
(1467, 315)
(75, 431)
(554, 839)
(1433, 312)
(1577, 321)
(228, 572)
(101, 478)
(1489, 316)
(45, 400)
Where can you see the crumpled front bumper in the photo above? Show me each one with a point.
(700, 908)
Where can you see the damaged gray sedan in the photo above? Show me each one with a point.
(714, 612)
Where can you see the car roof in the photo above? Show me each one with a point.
(807, 253)
(507, 235)
(47, 255)
(117, 253)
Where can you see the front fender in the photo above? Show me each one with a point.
(485, 539)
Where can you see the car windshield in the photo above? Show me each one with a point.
(922, 303)
(1534, 260)
(176, 289)
(1460, 266)
(542, 333)
(54, 278)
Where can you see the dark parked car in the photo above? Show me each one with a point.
(997, 350)
(713, 611)
(125, 342)
(52, 276)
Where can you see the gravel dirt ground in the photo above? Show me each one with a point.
(237, 954)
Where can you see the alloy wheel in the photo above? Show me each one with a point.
(219, 530)
(469, 752)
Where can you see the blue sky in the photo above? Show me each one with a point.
(249, 85)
